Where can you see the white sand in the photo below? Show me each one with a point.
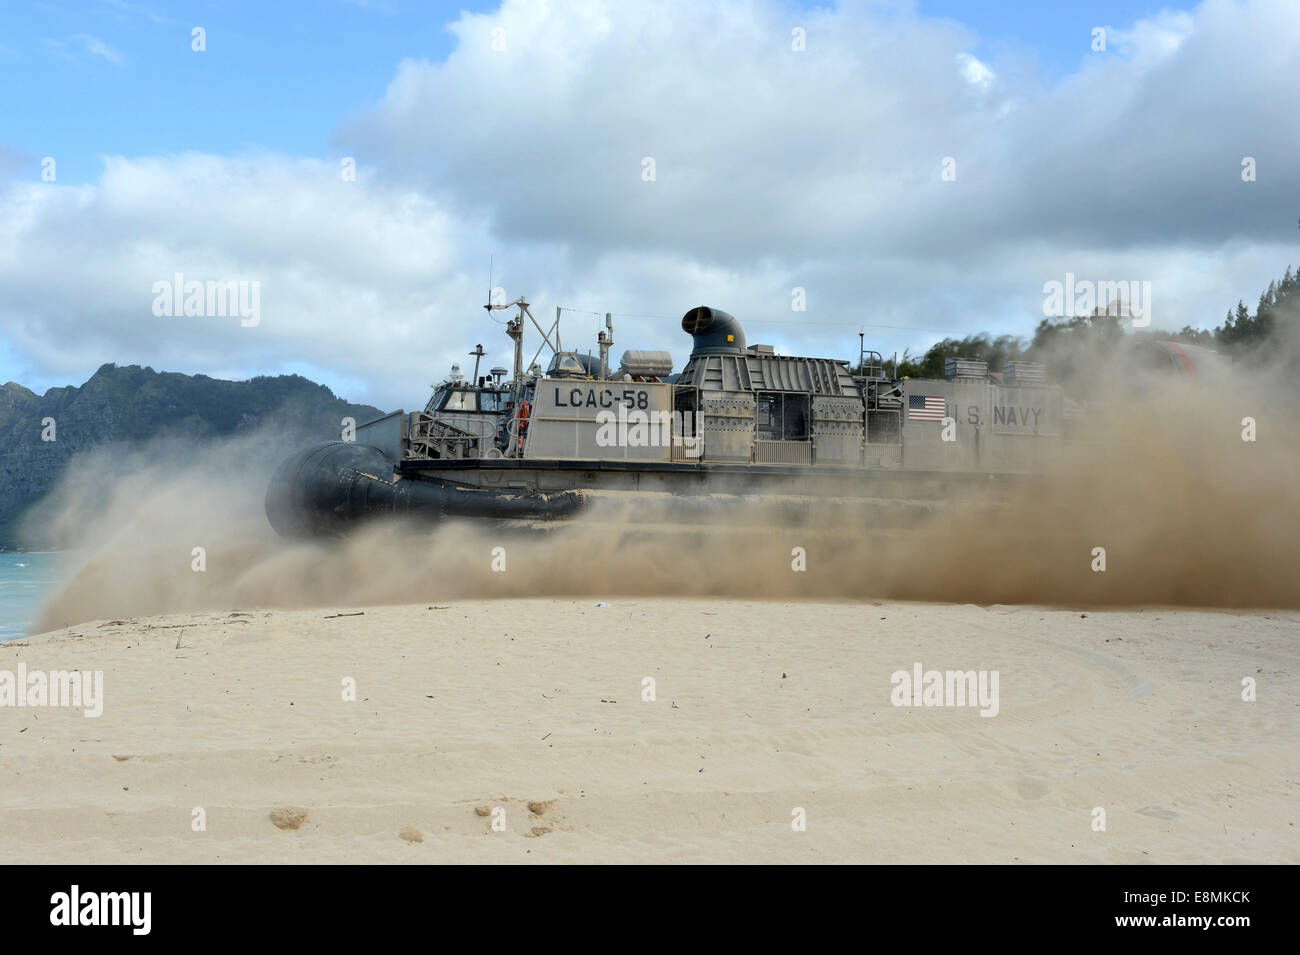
(762, 707)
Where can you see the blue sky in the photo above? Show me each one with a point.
(275, 76)
(1047, 31)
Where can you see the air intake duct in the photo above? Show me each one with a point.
(715, 332)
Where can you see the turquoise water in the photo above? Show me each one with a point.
(25, 581)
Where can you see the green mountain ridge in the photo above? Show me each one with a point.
(130, 405)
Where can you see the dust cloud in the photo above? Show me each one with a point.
(1158, 475)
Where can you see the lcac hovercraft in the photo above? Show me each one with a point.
(737, 423)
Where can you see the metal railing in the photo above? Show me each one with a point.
(431, 438)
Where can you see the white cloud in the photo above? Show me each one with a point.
(1152, 41)
(355, 278)
(775, 169)
(977, 74)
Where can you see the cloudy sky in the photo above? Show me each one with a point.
(918, 169)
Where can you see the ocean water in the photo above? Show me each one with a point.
(25, 581)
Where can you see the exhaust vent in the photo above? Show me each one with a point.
(715, 332)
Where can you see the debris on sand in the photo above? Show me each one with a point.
(288, 817)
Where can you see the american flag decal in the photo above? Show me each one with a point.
(925, 407)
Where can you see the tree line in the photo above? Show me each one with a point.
(1242, 336)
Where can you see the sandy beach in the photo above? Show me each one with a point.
(534, 715)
